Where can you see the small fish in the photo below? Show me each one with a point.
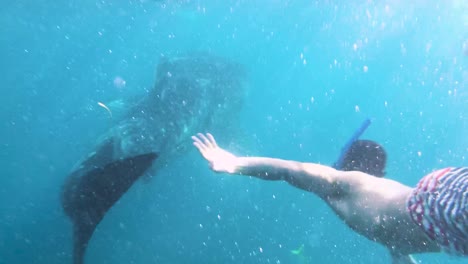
(105, 107)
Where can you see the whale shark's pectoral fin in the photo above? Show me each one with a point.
(98, 190)
(102, 156)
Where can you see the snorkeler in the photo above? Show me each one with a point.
(432, 217)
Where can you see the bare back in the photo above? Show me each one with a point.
(376, 208)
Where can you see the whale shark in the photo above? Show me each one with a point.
(192, 93)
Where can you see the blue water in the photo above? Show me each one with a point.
(316, 69)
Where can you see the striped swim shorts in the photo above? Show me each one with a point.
(439, 205)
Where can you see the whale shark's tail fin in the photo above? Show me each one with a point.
(81, 236)
(96, 191)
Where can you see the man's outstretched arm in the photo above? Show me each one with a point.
(316, 178)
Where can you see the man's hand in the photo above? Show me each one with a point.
(219, 159)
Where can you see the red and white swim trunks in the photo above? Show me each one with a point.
(439, 204)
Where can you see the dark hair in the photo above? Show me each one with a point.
(365, 156)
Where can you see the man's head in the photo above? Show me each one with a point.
(365, 156)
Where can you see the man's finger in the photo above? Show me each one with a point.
(201, 149)
(198, 144)
(205, 140)
(211, 138)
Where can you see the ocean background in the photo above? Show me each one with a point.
(316, 70)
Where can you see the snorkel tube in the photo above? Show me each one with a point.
(339, 163)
